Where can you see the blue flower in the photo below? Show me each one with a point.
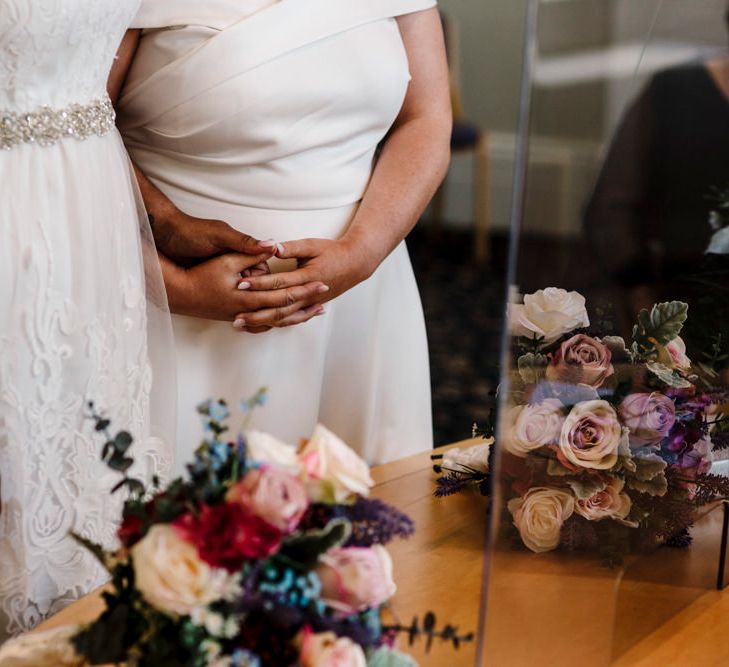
(243, 658)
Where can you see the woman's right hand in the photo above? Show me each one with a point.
(210, 290)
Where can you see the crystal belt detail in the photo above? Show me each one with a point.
(46, 126)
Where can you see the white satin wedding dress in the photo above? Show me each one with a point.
(267, 114)
(73, 312)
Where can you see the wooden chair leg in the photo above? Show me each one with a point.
(481, 212)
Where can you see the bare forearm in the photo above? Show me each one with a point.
(412, 165)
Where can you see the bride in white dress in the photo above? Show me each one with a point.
(73, 306)
(268, 114)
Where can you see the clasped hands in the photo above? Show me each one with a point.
(222, 274)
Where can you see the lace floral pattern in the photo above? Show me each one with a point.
(73, 313)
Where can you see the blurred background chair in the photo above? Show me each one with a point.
(467, 137)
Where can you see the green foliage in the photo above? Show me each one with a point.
(658, 327)
(302, 550)
(387, 657)
(668, 375)
(532, 367)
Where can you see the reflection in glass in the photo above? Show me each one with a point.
(607, 517)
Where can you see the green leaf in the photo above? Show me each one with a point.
(106, 559)
(556, 469)
(654, 487)
(586, 487)
(123, 441)
(120, 463)
(103, 642)
(668, 375)
(532, 367)
(387, 657)
(304, 549)
(661, 325)
(648, 467)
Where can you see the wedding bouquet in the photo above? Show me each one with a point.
(263, 555)
(605, 444)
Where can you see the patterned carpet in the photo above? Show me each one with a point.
(463, 309)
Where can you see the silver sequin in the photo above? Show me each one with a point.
(46, 126)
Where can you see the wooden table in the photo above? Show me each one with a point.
(547, 604)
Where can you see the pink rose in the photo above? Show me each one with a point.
(581, 360)
(325, 649)
(649, 417)
(590, 436)
(674, 355)
(273, 495)
(356, 578)
(610, 503)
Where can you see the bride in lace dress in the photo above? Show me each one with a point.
(75, 303)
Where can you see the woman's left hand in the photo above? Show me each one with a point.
(340, 264)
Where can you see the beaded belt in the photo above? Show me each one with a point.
(46, 126)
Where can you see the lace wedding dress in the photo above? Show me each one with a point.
(78, 288)
(267, 114)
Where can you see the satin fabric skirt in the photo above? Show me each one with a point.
(361, 369)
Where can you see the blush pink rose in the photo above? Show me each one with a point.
(649, 417)
(674, 355)
(356, 578)
(610, 503)
(273, 495)
(325, 649)
(581, 360)
(590, 436)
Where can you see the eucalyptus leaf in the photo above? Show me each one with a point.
(668, 375)
(556, 469)
(658, 486)
(585, 488)
(532, 367)
(123, 441)
(387, 657)
(648, 467)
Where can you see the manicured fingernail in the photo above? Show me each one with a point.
(280, 248)
(322, 288)
(320, 311)
(268, 243)
(244, 284)
(239, 323)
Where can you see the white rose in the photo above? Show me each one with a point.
(325, 649)
(610, 503)
(590, 436)
(548, 313)
(171, 576)
(331, 469)
(530, 427)
(468, 458)
(264, 448)
(539, 516)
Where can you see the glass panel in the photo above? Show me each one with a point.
(611, 436)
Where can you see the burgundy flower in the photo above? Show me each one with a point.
(227, 535)
(130, 531)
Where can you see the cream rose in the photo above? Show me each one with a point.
(610, 503)
(530, 427)
(171, 576)
(325, 649)
(468, 458)
(590, 436)
(548, 313)
(539, 516)
(264, 448)
(356, 578)
(331, 469)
